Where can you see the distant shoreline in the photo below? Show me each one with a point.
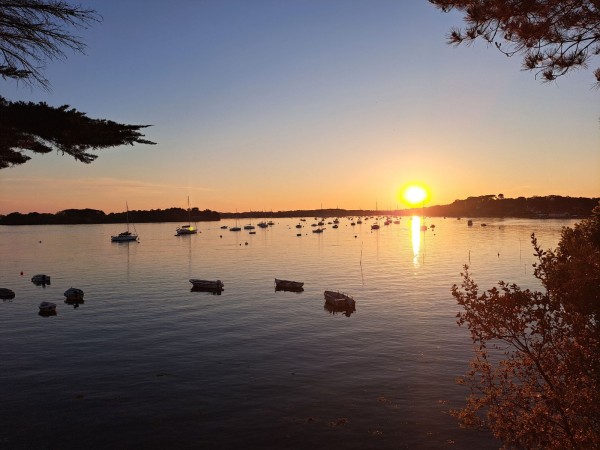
(548, 207)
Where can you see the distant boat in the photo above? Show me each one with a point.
(125, 236)
(338, 299)
(469, 223)
(375, 226)
(236, 228)
(207, 284)
(40, 279)
(74, 294)
(187, 229)
(288, 285)
(262, 224)
(47, 307)
(6, 294)
(318, 230)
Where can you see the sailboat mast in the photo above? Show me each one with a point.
(127, 215)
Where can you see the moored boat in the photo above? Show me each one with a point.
(125, 236)
(6, 294)
(288, 285)
(40, 279)
(207, 284)
(339, 299)
(186, 229)
(73, 294)
(47, 307)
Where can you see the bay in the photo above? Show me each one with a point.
(147, 363)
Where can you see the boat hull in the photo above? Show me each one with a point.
(288, 285)
(213, 285)
(124, 238)
(338, 299)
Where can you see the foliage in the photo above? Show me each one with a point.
(33, 32)
(78, 216)
(535, 376)
(41, 128)
(554, 36)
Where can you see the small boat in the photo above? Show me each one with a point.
(216, 285)
(125, 236)
(318, 230)
(298, 226)
(224, 227)
(186, 229)
(338, 299)
(288, 285)
(40, 279)
(469, 223)
(6, 294)
(47, 307)
(335, 226)
(375, 226)
(262, 225)
(73, 294)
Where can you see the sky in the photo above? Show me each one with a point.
(302, 104)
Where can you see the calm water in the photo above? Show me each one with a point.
(146, 363)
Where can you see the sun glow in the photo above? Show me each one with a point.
(414, 194)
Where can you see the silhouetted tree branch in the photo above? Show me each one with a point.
(40, 128)
(554, 36)
(33, 32)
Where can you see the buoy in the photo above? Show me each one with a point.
(21, 273)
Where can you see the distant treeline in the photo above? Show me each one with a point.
(552, 206)
(88, 216)
(482, 206)
(533, 207)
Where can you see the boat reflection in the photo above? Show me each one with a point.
(47, 313)
(345, 310)
(75, 302)
(210, 290)
(297, 290)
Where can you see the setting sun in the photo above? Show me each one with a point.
(414, 194)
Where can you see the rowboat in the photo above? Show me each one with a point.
(73, 294)
(288, 285)
(6, 294)
(40, 279)
(47, 307)
(216, 285)
(338, 299)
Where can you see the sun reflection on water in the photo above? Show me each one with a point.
(415, 228)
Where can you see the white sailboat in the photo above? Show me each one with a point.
(187, 229)
(126, 236)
